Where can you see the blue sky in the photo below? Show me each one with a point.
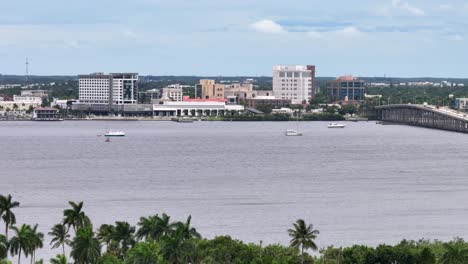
(407, 38)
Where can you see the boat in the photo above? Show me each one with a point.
(115, 134)
(335, 125)
(293, 133)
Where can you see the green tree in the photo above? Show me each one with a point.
(187, 231)
(456, 252)
(21, 242)
(176, 249)
(6, 207)
(60, 236)
(3, 247)
(59, 259)
(37, 239)
(75, 216)
(123, 235)
(86, 248)
(104, 234)
(143, 253)
(109, 259)
(303, 236)
(152, 228)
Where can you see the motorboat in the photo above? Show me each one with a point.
(115, 134)
(293, 133)
(335, 125)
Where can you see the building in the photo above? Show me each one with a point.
(111, 89)
(37, 93)
(27, 99)
(295, 83)
(267, 100)
(149, 96)
(172, 93)
(346, 89)
(46, 114)
(210, 89)
(194, 108)
(244, 91)
(461, 103)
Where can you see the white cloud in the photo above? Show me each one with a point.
(349, 32)
(405, 6)
(268, 26)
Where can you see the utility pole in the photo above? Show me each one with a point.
(27, 73)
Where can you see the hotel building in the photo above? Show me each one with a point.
(294, 82)
(111, 89)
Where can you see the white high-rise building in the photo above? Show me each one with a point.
(294, 82)
(113, 88)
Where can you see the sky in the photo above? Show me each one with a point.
(393, 38)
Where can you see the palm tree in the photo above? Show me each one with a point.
(21, 242)
(104, 234)
(36, 239)
(60, 237)
(123, 235)
(154, 227)
(6, 205)
(302, 236)
(59, 259)
(175, 249)
(186, 231)
(75, 216)
(3, 247)
(86, 248)
(455, 253)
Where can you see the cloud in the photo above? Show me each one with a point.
(445, 7)
(349, 32)
(268, 26)
(407, 7)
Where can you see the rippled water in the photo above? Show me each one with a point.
(366, 183)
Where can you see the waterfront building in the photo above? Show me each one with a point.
(267, 100)
(46, 114)
(461, 103)
(209, 89)
(195, 108)
(294, 82)
(110, 89)
(149, 96)
(346, 89)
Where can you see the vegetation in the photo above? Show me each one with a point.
(157, 239)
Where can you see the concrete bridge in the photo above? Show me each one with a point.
(424, 116)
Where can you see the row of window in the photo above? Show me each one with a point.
(283, 74)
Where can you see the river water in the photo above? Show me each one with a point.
(366, 183)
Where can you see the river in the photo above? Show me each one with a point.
(366, 183)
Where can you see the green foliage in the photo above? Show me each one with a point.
(86, 248)
(6, 206)
(143, 253)
(3, 247)
(60, 236)
(59, 259)
(75, 216)
(109, 259)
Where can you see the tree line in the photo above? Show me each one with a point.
(156, 239)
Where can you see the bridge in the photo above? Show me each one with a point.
(424, 116)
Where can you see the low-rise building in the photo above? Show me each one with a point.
(173, 93)
(267, 100)
(37, 93)
(461, 103)
(27, 99)
(346, 89)
(46, 114)
(244, 91)
(209, 89)
(195, 108)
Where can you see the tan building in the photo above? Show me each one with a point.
(210, 89)
(244, 91)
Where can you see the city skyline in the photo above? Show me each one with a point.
(235, 38)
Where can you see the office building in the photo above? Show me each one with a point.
(346, 89)
(111, 89)
(244, 91)
(210, 89)
(461, 103)
(295, 83)
(172, 93)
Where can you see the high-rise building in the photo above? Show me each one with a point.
(294, 82)
(346, 89)
(112, 88)
(210, 89)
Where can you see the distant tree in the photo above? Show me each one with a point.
(456, 252)
(303, 236)
(60, 236)
(6, 207)
(75, 216)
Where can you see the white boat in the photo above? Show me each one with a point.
(115, 134)
(293, 133)
(335, 125)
